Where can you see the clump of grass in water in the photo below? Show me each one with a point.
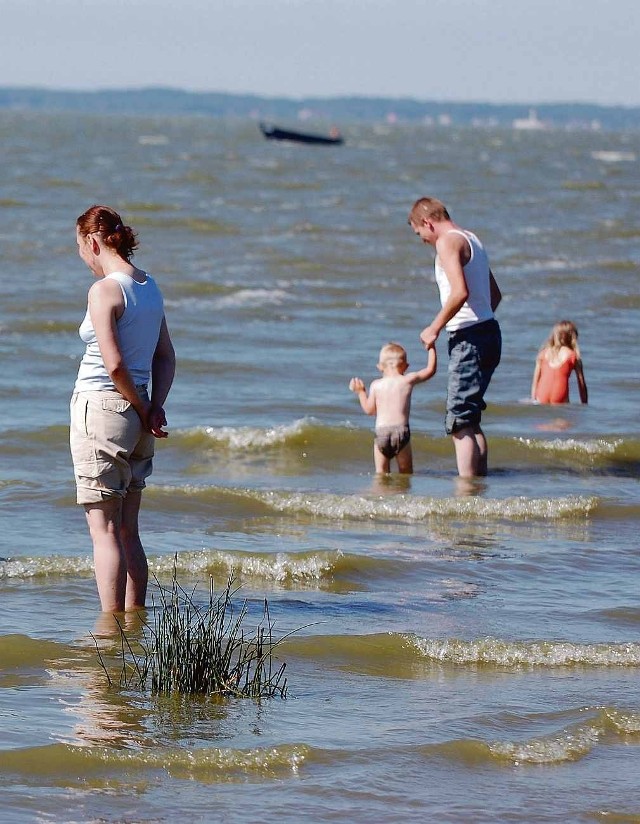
(194, 650)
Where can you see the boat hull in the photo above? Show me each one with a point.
(274, 133)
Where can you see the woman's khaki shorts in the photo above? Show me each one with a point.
(111, 451)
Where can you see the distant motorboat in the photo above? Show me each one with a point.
(274, 133)
(530, 123)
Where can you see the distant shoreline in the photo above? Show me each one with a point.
(167, 101)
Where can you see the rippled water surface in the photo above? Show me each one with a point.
(463, 653)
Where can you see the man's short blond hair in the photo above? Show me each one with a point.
(392, 354)
(428, 208)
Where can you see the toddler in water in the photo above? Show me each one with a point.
(558, 358)
(389, 399)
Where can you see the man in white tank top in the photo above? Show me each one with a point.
(469, 296)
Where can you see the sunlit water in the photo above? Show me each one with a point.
(463, 653)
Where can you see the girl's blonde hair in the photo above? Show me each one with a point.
(564, 333)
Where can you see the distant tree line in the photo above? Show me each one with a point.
(157, 101)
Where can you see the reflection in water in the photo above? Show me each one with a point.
(391, 484)
(470, 487)
(102, 715)
(128, 716)
(109, 625)
(556, 425)
(105, 714)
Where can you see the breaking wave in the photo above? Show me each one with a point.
(410, 508)
(500, 653)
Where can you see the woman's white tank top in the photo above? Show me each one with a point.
(138, 333)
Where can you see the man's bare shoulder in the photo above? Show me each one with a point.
(452, 242)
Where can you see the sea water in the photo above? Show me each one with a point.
(459, 652)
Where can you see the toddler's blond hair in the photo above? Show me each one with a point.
(392, 354)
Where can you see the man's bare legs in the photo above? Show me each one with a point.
(483, 451)
(119, 558)
(471, 451)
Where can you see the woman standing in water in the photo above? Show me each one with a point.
(113, 419)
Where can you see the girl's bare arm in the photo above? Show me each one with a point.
(536, 378)
(582, 384)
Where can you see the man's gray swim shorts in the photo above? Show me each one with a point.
(474, 353)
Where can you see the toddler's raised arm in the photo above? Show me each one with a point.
(368, 403)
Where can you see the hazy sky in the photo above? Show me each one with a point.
(475, 50)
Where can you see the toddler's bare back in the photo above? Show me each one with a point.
(393, 400)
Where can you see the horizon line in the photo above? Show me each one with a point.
(311, 97)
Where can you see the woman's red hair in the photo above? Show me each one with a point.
(106, 222)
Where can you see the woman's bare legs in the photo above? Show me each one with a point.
(136, 560)
(104, 520)
(119, 558)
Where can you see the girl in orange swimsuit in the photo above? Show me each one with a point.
(558, 358)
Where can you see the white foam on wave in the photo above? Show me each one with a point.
(408, 508)
(278, 568)
(200, 763)
(252, 437)
(252, 298)
(242, 299)
(153, 140)
(623, 722)
(614, 156)
(568, 745)
(527, 653)
(48, 565)
(597, 446)
(538, 265)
